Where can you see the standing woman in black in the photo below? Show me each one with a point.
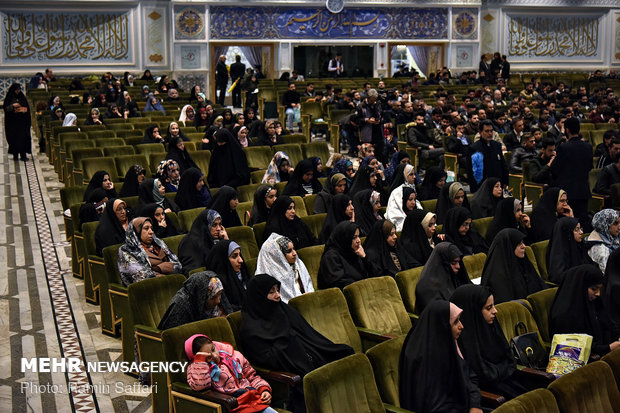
(284, 221)
(434, 377)
(264, 198)
(228, 165)
(507, 271)
(17, 122)
(225, 202)
(483, 343)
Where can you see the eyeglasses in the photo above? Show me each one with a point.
(349, 169)
(578, 229)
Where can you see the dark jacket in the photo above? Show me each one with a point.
(540, 171)
(512, 141)
(571, 167)
(221, 73)
(608, 176)
(237, 70)
(494, 162)
(519, 156)
(421, 138)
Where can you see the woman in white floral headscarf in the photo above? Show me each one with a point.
(604, 239)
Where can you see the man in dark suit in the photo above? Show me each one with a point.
(237, 70)
(221, 79)
(571, 169)
(494, 164)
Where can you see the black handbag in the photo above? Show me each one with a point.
(527, 350)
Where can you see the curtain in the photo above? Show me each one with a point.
(254, 54)
(217, 52)
(419, 56)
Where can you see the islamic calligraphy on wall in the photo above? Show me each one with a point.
(313, 23)
(541, 38)
(66, 37)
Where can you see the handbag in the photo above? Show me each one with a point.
(526, 348)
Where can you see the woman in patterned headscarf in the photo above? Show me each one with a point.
(201, 297)
(277, 256)
(279, 169)
(604, 239)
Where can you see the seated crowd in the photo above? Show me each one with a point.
(379, 219)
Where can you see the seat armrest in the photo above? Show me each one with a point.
(492, 400)
(540, 378)
(290, 379)
(390, 408)
(373, 335)
(152, 332)
(226, 400)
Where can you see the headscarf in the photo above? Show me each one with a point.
(110, 231)
(484, 345)
(396, 210)
(189, 304)
(601, 222)
(335, 215)
(340, 265)
(563, 252)
(150, 107)
(272, 174)
(573, 312)
(365, 216)
(446, 200)
(277, 337)
(260, 212)
(431, 373)
(187, 196)
(428, 189)
(296, 230)
(162, 173)
(414, 236)
(148, 135)
(507, 276)
(397, 157)
(504, 217)
(245, 142)
(221, 204)
(97, 182)
(381, 255)
(272, 260)
(170, 230)
(361, 180)
(183, 116)
(470, 243)
(88, 211)
(341, 167)
(130, 183)
(234, 283)
(195, 247)
(324, 198)
(180, 156)
(148, 193)
(69, 119)
(296, 184)
(228, 165)
(484, 204)
(400, 176)
(437, 280)
(544, 215)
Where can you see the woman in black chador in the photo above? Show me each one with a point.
(17, 122)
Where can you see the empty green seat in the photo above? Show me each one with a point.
(510, 313)
(474, 264)
(293, 151)
(101, 134)
(115, 151)
(407, 281)
(105, 142)
(319, 149)
(384, 358)
(202, 159)
(315, 223)
(149, 148)
(482, 225)
(539, 401)
(120, 126)
(187, 217)
(540, 252)
(258, 156)
(244, 209)
(311, 256)
(155, 159)
(246, 192)
(297, 138)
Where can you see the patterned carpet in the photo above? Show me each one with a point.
(43, 312)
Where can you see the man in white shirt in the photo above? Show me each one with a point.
(336, 68)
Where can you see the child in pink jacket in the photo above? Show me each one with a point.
(217, 365)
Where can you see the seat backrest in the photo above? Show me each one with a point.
(315, 223)
(187, 217)
(82, 153)
(173, 243)
(202, 159)
(246, 192)
(259, 230)
(407, 281)
(613, 359)
(101, 134)
(149, 299)
(529, 253)
(234, 322)
(319, 149)
(88, 230)
(293, 150)
(65, 136)
(429, 205)
(309, 202)
(298, 138)
(92, 165)
(258, 156)
(149, 148)
(244, 236)
(385, 358)
(70, 195)
(104, 142)
(327, 312)
(541, 306)
(71, 144)
(300, 206)
(540, 252)
(539, 401)
(154, 160)
(243, 211)
(110, 257)
(117, 150)
(173, 340)
(345, 385)
(311, 256)
(474, 264)
(510, 313)
(482, 225)
(256, 177)
(125, 162)
(375, 303)
(589, 388)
